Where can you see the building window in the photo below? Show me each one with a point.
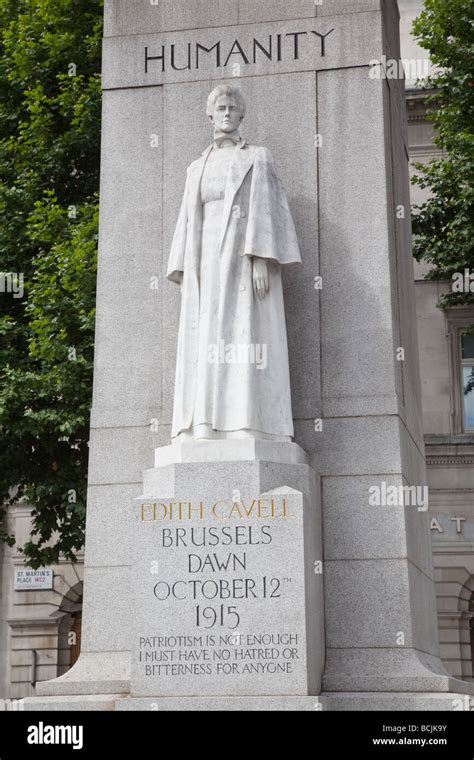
(459, 323)
(467, 371)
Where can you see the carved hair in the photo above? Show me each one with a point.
(231, 92)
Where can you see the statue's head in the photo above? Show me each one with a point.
(226, 108)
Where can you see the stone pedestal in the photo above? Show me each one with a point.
(227, 573)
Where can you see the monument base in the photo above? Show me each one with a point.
(227, 553)
(396, 701)
(223, 704)
(341, 702)
(72, 703)
(196, 490)
(227, 586)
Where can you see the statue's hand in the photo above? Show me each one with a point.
(260, 278)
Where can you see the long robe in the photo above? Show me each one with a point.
(256, 221)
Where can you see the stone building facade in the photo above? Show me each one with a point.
(40, 629)
(446, 359)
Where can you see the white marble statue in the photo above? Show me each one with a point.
(234, 233)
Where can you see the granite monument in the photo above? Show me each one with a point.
(205, 561)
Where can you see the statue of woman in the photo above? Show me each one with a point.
(234, 233)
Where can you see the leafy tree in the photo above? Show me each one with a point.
(49, 174)
(444, 224)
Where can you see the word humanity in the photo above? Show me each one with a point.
(278, 48)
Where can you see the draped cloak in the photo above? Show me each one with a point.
(256, 221)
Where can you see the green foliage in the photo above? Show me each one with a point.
(49, 176)
(444, 224)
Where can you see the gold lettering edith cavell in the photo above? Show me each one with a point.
(260, 508)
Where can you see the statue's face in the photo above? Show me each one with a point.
(226, 114)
